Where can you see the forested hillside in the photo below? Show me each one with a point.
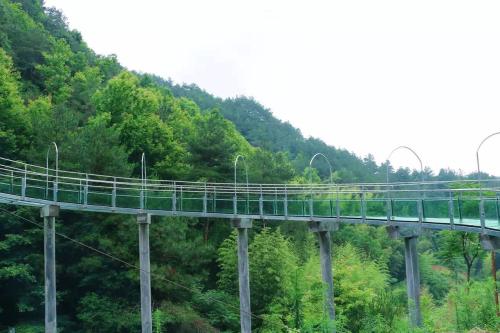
(54, 88)
(262, 129)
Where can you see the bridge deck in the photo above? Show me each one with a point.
(436, 205)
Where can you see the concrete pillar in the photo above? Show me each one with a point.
(492, 243)
(323, 229)
(243, 273)
(410, 236)
(49, 214)
(413, 280)
(144, 220)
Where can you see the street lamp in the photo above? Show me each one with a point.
(235, 202)
(482, 218)
(410, 150)
(481, 201)
(389, 206)
(310, 179)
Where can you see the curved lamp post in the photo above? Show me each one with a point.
(310, 178)
(235, 199)
(389, 205)
(481, 204)
(327, 161)
(482, 218)
(410, 150)
(53, 144)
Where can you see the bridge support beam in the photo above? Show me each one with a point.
(49, 214)
(490, 243)
(144, 220)
(410, 236)
(323, 229)
(243, 273)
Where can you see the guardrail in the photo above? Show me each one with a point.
(451, 202)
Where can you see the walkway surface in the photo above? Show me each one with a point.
(436, 205)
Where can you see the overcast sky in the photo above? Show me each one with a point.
(366, 76)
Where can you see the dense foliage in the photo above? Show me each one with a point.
(53, 88)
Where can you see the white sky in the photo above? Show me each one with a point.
(362, 75)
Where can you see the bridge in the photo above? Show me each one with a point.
(404, 208)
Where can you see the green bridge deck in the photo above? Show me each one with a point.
(443, 205)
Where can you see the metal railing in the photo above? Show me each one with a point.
(450, 202)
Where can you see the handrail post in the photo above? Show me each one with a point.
(420, 211)
(275, 201)
(451, 212)
(141, 199)
(12, 182)
(460, 206)
(235, 204)
(205, 198)
(330, 190)
(311, 208)
(214, 200)
(261, 203)
(248, 200)
(180, 199)
(363, 203)
(24, 182)
(337, 208)
(113, 194)
(497, 206)
(482, 218)
(174, 199)
(55, 190)
(285, 204)
(80, 189)
(143, 181)
(389, 204)
(86, 190)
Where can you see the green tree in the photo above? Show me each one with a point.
(84, 85)
(96, 148)
(147, 134)
(460, 245)
(272, 265)
(14, 122)
(122, 95)
(103, 314)
(20, 270)
(56, 71)
(23, 39)
(267, 167)
(214, 147)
